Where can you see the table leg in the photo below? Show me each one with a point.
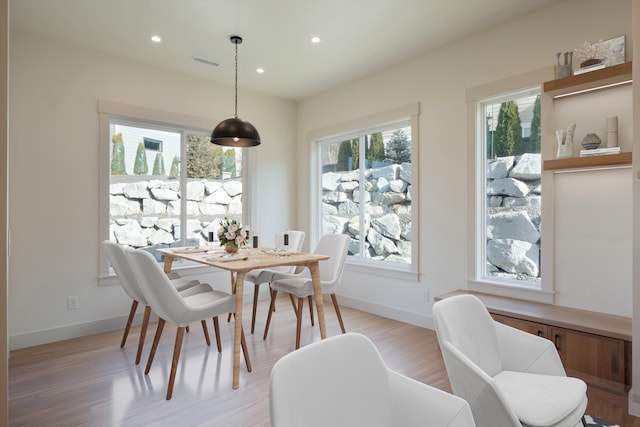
(233, 290)
(168, 261)
(314, 269)
(237, 336)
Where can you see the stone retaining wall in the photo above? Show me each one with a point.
(513, 217)
(145, 210)
(387, 222)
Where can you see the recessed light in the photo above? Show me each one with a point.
(315, 39)
(259, 70)
(156, 39)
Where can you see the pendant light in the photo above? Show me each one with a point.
(235, 132)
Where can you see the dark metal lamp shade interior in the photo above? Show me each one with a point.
(235, 132)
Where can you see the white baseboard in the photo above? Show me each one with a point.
(97, 326)
(71, 331)
(417, 319)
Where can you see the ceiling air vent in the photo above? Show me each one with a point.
(205, 61)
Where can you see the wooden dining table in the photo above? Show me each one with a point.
(239, 266)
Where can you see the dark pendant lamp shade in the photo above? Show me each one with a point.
(235, 132)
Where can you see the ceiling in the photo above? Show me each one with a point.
(358, 37)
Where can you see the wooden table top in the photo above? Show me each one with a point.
(255, 258)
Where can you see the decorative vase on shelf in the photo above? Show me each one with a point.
(565, 142)
(230, 248)
(565, 70)
(591, 141)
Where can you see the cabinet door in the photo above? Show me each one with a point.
(538, 329)
(597, 360)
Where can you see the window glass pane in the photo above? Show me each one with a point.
(144, 193)
(155, 200)
(512, 165)
(366, 183)
(214, 187)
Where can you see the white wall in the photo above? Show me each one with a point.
(438, 81)
(54, 91)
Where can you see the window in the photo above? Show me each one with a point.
(152, 144)
(167, 185)
(365, 191)
(509, 189)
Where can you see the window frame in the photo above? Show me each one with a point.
(476, 181)
(407, 115)
(133, 115)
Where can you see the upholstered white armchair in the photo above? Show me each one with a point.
(343, 381)
(509, 377)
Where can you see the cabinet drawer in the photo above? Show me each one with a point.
(598, 360)
(538, 329)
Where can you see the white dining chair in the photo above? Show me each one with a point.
(343, 381)
(124, 273)
(170, 305)
(301, 286)
(509, 377)
(264, 275)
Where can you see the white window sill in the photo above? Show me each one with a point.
(526, 293)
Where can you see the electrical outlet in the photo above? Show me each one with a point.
(72, 303)
(425, 295)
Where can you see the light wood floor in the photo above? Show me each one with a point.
(91, 381)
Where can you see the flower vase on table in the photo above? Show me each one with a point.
(231, 235)
(231, 248)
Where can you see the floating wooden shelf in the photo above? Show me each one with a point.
(590, 81)
(608, 160)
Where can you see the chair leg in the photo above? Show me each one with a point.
(272, 305)
(337, 308)
(293, 303)
(132, 313)
(143, 332)
(174, 363)
(299, 321)
(256, 291)
(311, 309)
(245, 350)
(216, 329)
(156, 340)
(206, 331)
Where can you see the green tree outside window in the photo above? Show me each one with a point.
(534, 139)
(117, 155)
(508, 135)
(204, 159)
(140, 167)
(158, 164)
(399, 148)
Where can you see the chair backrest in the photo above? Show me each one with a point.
(336, 246)
(465, 322)
(339, 381)
(123, 270)
(296, 241)
(157, 288)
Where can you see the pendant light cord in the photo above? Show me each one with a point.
(236, 100)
